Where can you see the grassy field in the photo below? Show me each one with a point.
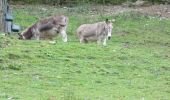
(135, 65)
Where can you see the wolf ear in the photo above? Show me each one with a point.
(19, 34)
(107, 20)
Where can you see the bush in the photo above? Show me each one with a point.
(61, 2)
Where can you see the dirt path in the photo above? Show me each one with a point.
(154, 10)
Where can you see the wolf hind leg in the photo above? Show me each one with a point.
(36, 34)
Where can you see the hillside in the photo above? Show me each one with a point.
(135, 64)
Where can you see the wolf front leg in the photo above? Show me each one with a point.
(64, 36)
(104, 41)
(36, 34)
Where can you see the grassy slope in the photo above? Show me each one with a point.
(135, 65)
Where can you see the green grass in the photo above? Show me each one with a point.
(135, 65)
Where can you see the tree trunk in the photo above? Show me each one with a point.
(1, 16)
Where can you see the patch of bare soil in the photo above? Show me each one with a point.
(153, 10)
(156, 10)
